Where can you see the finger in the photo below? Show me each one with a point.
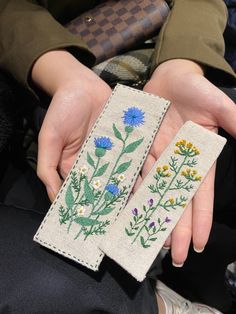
(226, 114)
(49, 152)
(137, 183)
(167, 243)
(203, 211)
(181, 238)
(147, 166)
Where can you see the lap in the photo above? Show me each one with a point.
(34, 280)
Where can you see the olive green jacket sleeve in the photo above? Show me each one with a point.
(194, 30)
(27, 30)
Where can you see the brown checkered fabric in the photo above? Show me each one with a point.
(116, 26)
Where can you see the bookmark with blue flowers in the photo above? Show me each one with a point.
(139, 233)
(98, 185)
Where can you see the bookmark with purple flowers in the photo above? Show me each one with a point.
(139, 233)
(99, 184)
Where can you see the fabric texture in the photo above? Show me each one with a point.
(104, 173)
(131, 68)
(142, 228)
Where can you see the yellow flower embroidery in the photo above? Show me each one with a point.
(186, 149)
(121, 177)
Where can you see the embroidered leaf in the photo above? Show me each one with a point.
(101, 170)
(123, 167)
(128, 232)
(85, 221)
(105, 211)
(131, 225)
(144, 208)
(69, 198)
(88, 192)
(117, 133)
(152, 239)
(143, 243)
(131, 147)
(108, 196)
(163, 229)
(90, 160)
(159, 220)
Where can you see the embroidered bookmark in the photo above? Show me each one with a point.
(99, 183)
(139, 233)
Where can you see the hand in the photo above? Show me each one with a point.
(194, 98)
(77, 101)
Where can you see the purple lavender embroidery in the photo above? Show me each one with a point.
(150, 202)
(135, 211)
(167, 219)
(152, 224)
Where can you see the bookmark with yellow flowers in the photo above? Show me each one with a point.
(99, 183)
(139, 233)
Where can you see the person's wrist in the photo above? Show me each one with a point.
(58, 68)
(179, 66)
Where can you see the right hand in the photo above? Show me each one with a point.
(78, 98)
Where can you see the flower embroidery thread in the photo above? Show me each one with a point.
(133, 117)
(177, 175)
(90, 198)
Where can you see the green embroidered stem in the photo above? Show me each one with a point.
(102, 194)
(150, 235)
(82, 196)
(160, 200)
(115, 166)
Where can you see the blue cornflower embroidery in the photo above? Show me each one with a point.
(103, 142)
(113, 189)
(133, 117)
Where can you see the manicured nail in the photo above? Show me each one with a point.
(198, 250)
(177, 265)
(166, 247)
(51, 193)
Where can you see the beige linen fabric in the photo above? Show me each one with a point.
(99, 184)
(139, 233)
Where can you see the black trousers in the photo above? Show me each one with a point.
(34, 280)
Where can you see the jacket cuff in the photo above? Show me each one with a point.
(194, 31)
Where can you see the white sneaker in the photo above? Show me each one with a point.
(175, 304)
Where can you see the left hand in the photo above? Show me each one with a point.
(194, 98)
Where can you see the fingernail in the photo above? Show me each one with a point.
(198, 250)
(177, 265)
(51, 194)
(166, 247)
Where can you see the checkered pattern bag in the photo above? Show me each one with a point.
(116, 26)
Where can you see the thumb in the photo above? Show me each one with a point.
(49, 153)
